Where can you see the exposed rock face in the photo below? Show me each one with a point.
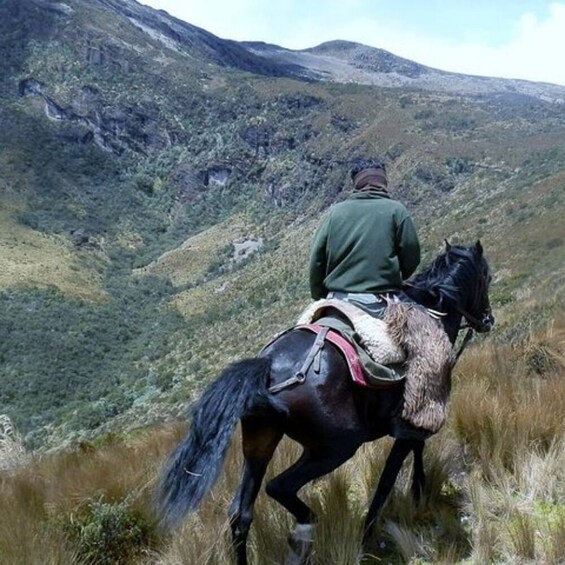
(258, 137)
(243, 249)
(218, 175)
(30, 86)
(194, 40)
(98, 54)
(187, 182)
(113, 129)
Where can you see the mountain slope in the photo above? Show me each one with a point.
(142, 158)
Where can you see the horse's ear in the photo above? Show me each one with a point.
(479, 247)
(447, 245)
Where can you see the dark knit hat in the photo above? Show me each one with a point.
(369, 173)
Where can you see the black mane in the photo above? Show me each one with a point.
(444, 283)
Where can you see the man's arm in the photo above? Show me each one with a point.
(318, 261)
(408, 247)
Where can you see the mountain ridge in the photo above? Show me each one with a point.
(363, 64)
(374, 66)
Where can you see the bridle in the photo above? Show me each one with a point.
(471, 322)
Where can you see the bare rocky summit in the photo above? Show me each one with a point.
(349, 62)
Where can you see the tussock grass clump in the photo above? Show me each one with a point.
(508, 414)
(520, 515)
(105, 533)
(544, 353)
(63, 508)
(500, 409)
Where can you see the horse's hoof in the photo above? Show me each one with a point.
(301, 542)
(373, 547)
(300, 556)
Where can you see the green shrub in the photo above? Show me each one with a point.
(107, 534)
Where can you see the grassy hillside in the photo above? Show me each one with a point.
(34, 259)
(137, 161)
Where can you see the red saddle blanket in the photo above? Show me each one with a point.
(348, 352)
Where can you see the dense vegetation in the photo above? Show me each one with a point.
(78, 361)
(132, 165)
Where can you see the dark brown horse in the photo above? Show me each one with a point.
(327, 414)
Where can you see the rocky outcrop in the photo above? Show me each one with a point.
(245, 248)
(187, 38)
(189, 183)
(218, 176)
(107, 55)
(258, 137)
(114, 129)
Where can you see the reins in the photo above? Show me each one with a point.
(466, 340)
(469, 319)
(468, 335)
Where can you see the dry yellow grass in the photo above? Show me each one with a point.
(187, 263)
(30, 258)
(495, 489)
(12, 453)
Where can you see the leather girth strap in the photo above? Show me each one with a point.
(314, 356)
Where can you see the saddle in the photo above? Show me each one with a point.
(409, 346)
(323, 333)
(379, 352)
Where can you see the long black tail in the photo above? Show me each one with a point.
(194, 466)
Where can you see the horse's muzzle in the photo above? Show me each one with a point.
(486, 324)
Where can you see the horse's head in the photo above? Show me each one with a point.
(474, 304)
(456, 284)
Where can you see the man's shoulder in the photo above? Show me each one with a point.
(354, 204)
(399, 206)
(395, 206)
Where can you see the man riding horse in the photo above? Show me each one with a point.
(363, 251)
(366, 247)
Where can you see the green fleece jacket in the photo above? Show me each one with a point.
(368, 243)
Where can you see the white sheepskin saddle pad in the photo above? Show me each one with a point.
(374, 334)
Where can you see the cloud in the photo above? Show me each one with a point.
(533, 52)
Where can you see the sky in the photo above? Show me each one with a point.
(503, 38)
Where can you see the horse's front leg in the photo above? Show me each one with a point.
(418, 475)
(400, 450)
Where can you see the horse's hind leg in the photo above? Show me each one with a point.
(259, 444)
(284, 488)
